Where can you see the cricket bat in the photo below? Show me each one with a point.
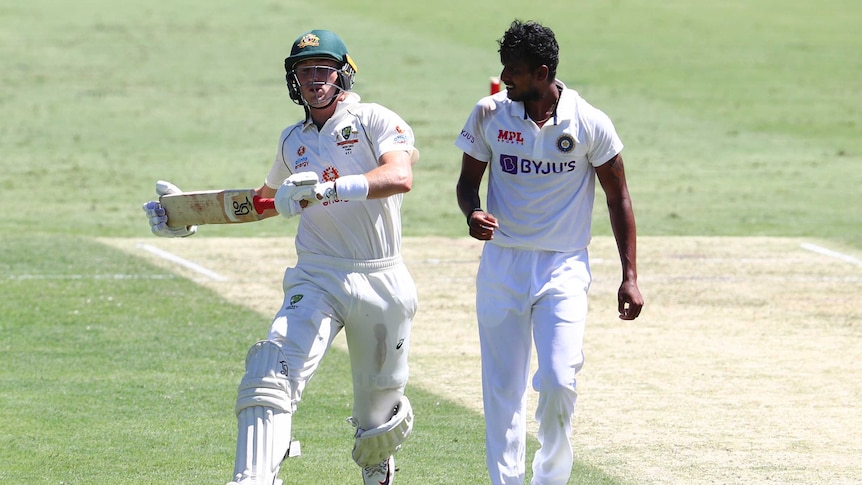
(214, 207)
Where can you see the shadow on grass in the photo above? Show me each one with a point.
(129, 373)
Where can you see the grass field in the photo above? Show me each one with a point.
(741, 122)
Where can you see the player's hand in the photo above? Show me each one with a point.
(349, 187)
(482, 225)
(630, 300)
(325, 192)
(295, 193)
(157, 217)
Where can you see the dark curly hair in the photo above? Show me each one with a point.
(532, 43)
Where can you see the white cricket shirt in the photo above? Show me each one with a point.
(541, 182)
(349, 143)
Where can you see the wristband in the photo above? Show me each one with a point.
(352, 187)
(477, 209)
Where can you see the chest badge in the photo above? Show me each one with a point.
(346, 132)
(565, 143)
(346, 140)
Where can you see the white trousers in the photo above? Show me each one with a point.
(527, 297)
(374, 302)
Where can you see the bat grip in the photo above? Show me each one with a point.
(263, 203)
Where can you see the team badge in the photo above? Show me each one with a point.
(565, 143)
(291, 303)
(346, 132)
(345, 136)
(308, 40)
(300, 151)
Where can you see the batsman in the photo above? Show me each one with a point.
(343, 170)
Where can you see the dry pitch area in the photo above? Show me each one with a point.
(745, 366)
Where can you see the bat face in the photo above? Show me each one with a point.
(214, 207)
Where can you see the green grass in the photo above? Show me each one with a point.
(739, 118)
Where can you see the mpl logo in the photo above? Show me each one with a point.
(513, 137)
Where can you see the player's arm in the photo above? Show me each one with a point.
(612, 178)
(481, 224)
(394, 175)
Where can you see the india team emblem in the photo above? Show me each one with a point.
(565, 143)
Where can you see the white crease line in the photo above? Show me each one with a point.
(89, 277)
(183, 262)
(829, 252)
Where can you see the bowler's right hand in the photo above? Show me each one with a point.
(482, 225)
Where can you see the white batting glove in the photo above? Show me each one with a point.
(349, 187)
(325, 192)
(297, 188)
(157, 217)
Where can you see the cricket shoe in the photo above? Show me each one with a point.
(382, 474)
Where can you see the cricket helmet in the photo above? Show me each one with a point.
(319, 44)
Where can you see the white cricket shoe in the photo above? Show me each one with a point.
(382, 474)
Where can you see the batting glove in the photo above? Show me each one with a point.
(349, 187)
(325, 192)
(297, 188)
(159, 219)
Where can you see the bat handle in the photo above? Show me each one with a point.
(263, 203)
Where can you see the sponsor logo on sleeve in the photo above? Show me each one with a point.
(468, 136)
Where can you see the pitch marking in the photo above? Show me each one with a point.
(828, 252)
(89, 277)
(183, 262)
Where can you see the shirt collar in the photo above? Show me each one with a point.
(555, 118)
(350, 99)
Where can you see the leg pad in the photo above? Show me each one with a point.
(373, 446)
(265, 382)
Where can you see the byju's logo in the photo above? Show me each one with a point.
(511, 164)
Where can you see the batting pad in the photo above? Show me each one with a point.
(265, 381)
(375, 445)
(263, 441)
